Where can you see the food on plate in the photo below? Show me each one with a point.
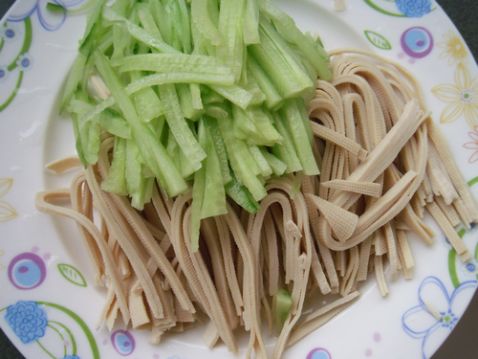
(201, 127)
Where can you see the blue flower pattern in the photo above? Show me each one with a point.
(71, 357)
(28, 320)
(436, 314)
(24, 62)
(414, 8)
(3, 73)
(49, 21)
(8, 33)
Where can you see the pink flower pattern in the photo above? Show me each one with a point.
(473, 145)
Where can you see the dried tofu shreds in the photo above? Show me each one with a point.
(366, 188)
(342, 222)
(408, 170)
(313, 239)
(340, 140)
(64, 165)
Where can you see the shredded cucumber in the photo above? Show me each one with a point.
(203, 22)
(203, 94)
(281, 306)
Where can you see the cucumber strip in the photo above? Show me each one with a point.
(219, 147)
(231, 50)
(87, 132)
(258, 97)
(73, 79)
(123, 7)
(265, 168)
(282, 305)
(179, 127)
(295, 125)
(105, 43)
(162, 22)
(213, 10)
(243, 126)
(78, 145)
(146, 20)
(115, 181)
(264, 126)
(311, 50)
(185, 100)
(242, 162)
(251, 23)
(153, 153)
(304, 113)
(78, 106)
(241, 195)
(210, 97)
(214, 201)
(138, 33)
(278, 167)
(272, 97)
(217, 112)
(286, 151)
(172, 146)
(94, 140)
(219, 83)
(274, 55)
(147, 191)
(139, 187)
(198, 194)
(115, 125)
(167, 63)
(121, 41)
(148, 105)
(196, 99)
(88, 139)
(237, 95)
(93, 18)
(185, 166)
(202, 21)
(185, 28)
(172, 16)
(290, 51)
(158, 126)
(133, 169)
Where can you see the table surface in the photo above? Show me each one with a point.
(461, 343)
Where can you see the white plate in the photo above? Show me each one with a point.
(47, 302)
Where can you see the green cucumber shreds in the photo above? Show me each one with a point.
(206, 95)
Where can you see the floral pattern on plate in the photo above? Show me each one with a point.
(49, 20)
(30, 23)
(31, 323)
(461, 97)
(436, 314)
(27, 271)
(453, 48)
(18, 29)
(472, 145)
(402, 8)
(7, 212)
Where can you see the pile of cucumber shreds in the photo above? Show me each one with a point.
(202, 94)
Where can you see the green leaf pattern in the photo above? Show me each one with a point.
(377, 40)
(72, 275)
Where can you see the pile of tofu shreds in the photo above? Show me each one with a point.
(384, 165)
